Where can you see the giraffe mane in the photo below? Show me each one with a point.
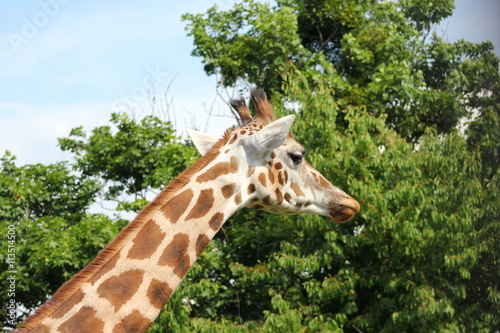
(71, 286)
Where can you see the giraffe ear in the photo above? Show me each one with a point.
(272, 136)
(203, 142)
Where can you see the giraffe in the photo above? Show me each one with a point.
(257, 165)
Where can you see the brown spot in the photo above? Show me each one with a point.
(271, 177)
(40, 329)
(286, 176)
(279, 196)
(84, 321)
(210, 159)
(176, 206)
(228, 190)
(262, 179)
(281, 180)
(119, 289)
(227, 151)
(250, 172)
(146, 241)
(297, 190)
(278, 166)
(323, 182)
(267, 200)
(105, 268)
(237, 199)
(175, 255)
(308, 203)
(243, 132)
(298, 205)
(201, 243)
(203, 205)
(288, 197)
(183, 267)
(273, 155)
(68, 304)
(233, 139)
(258, 207)
(159, 293)
(251, 188)
(133, 323)
(221, 168)
(216, 221)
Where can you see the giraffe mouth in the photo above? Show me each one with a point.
(344, 212)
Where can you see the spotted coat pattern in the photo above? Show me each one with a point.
(126, 286)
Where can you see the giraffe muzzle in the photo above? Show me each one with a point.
(344, 211)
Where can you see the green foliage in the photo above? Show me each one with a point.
(48, 206)
(378, 102)
(411, 260)
(236, 43)
(131, 156)
(35, 191)
(378, 49)
(44, 208)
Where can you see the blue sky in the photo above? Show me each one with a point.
(66, 63)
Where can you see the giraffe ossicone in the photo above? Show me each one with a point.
(258, 165)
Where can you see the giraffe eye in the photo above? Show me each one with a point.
(296, 158)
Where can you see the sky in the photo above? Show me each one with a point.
(66, 63)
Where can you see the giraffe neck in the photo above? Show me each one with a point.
(127, 285)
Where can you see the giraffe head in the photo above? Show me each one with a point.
(278, 177)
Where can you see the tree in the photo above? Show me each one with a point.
(378, 99)
(46, 227)
(45, 209)
(404, 264)
(378, 103)
(131, 156)
(379, 54)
